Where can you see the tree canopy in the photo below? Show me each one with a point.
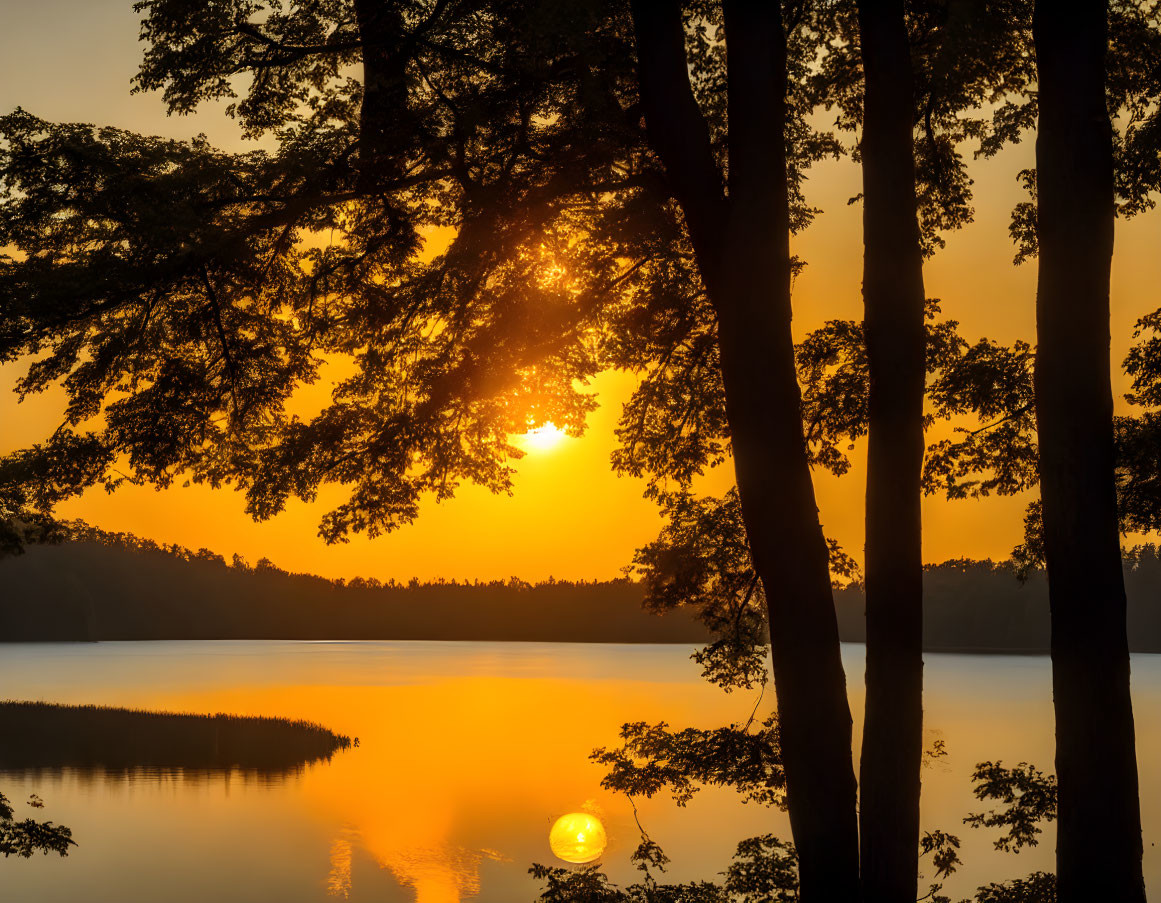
(474, 227)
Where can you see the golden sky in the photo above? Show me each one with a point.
(570, 517)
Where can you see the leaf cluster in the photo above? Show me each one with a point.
(1029, 797)
(27, 836)
(764, 870)
(653, 758)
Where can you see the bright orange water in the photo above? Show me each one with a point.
(468, 753)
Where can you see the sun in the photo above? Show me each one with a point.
(543, 438)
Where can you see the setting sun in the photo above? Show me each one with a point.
(542, 438)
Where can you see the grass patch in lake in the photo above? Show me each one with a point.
(39, 736)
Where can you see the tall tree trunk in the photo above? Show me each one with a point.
(743, 252)
(1099, 827)
(893, 321)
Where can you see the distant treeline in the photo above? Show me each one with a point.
(106, 586)
(38, 735)
(983, 606)
(116, 586)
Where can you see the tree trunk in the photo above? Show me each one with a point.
(1099, 826)
(743, 252)
(893, 322)
(791, 557)
(386, 122)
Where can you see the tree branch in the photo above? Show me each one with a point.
(216, 308)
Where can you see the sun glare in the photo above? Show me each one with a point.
(542, 438)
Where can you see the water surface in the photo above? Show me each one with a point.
(468, 753)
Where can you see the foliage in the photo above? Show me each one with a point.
(587, 884)
(701, 560)
(182, 293)
(991, 386)
(32, 482)
(994, 384)
(20, 528)
(1134, 99)
(973, 78)
(943, 848)
(27, 836)
(764, 868)
(1029, 798)
(1134, 88)
(1038, 887)
(1028, 556)
(653, 758)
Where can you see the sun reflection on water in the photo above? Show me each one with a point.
(578, 837)
(339, 880)
(430, 813)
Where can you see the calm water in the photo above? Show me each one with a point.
(468, 752)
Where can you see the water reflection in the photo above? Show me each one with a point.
(468, 754)
(339, 880)
(578, 837)
(460, 793)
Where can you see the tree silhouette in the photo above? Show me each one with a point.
(948, 90)
(28, 836)
(895, 335)
(739, 227)
(1099, 845)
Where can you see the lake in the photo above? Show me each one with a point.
(467, 754)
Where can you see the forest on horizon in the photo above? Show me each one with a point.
(98, 585)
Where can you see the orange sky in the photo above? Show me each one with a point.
(570, 516)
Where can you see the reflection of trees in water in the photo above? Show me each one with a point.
(41, 737)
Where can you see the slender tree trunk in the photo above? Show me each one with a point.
(1099, 827)
(743, 252)
(791, 557)
(893, 322)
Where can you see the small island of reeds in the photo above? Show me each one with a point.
(38, 736)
